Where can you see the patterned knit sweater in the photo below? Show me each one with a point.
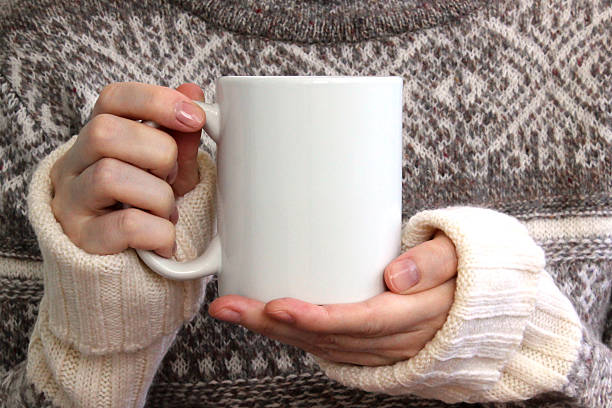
(507, 106)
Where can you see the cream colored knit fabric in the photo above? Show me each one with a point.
(510, 333)
(105, 322)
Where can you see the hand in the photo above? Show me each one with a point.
(118, 160)
(387, 328)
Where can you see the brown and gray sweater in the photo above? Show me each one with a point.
(507, 105)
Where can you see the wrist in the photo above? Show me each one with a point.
(496, 306)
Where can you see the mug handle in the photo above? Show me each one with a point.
(209, 262)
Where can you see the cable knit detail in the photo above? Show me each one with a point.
(111, 303)
(510, 333)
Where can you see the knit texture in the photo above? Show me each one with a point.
(506, 106)
(110, 303)
(326, 22)
(498, 343)
(106, 322)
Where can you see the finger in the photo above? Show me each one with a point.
(387, 313)
(130, 228)
(187, 142)
(422, 267)
(250, 314)
(110, 181)
(167, 107)
(399, 346)
(122, 139)
(390, 344)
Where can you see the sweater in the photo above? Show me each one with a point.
(507, 133)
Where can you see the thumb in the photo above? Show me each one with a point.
(423, 267)
(185, 174)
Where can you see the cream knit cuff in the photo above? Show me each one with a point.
(510, 333)
(71, 379)
(109, 303)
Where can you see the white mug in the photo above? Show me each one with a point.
(308, 190)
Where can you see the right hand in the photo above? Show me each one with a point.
(117, 160)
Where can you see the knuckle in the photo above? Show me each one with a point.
(155, 96)
(444, 246)
(128, 221)
(101, 129)
(443, 250)
(104, 173)
(106, 95)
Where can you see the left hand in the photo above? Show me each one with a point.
(385, 329)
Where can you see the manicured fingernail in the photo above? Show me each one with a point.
(228, 315)
(189, 114)
(174, 216)
(403, 274)
(282, 316)
(172, 175)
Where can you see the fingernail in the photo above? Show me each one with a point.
(403, 274)
(174, 248)
(282, 316)
(172, 175)
(174, 216)
(228, 315)
(189, 114)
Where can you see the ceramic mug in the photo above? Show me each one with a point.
(308, 188)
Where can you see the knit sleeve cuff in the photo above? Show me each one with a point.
(510, 333)
(107, 303)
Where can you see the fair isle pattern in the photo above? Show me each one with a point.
(595, 374)
(234, 370)
(508, 107)
(19, 298)
(500, 110)
(232, 352)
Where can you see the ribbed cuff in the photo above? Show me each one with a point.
(109, 303)
(508, 318)
(70, 379)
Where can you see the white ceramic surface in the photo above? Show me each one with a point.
(309, 188)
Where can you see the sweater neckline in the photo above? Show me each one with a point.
(325, 21)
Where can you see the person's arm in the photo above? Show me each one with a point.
(510, 333)
(105, 320)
